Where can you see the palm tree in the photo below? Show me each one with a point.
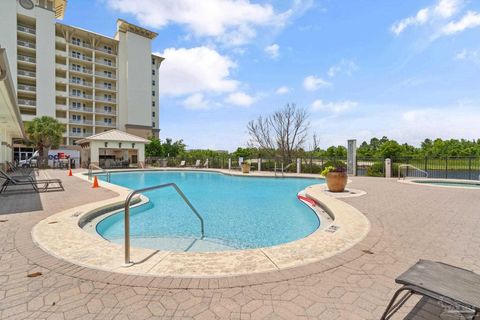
(44, 132)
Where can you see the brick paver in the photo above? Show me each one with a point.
(408, 222)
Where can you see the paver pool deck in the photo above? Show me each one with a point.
(408, 222)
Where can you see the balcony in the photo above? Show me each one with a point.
(81, 70)
(61, 80)
(26, 87)
(27, 103)
(105, 51)
(59, 93)
(26, 29)
(80, 134)
(104, 87)
(103, 111)
(60, 39)
(103, 63)
(62, 120)
(81, 96)
(24, 58)
(80, 57)
(26, 44)
(104, 99)
(62, 107)
(61, 53)
(81, 83)
(106, 75)
(84, 109)
(105, 124)
(80, 122)
(61, 66)
(81, 44)
(26, 73)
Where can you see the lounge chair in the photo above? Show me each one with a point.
(453, 286)
(182, 163)
(37, 185)
(197, 164)
(20, 171)
(205, 165)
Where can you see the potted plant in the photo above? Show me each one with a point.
(336, 178)
(246, 167)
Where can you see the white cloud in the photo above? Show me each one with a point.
(469, 55)
(229, 21)
(333, 107)
(200, 69)
(313, 83)
(240, 99)
(343, 67)
(283, 90)
(470, 20)
(444, 9)
(196, 101)
(273, 51)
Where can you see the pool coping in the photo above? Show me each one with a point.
(61, 236)
(414, 182)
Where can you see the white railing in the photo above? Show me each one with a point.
(27, 73)
(103, 99)
(26, 29)
(102, 62)
(80, 134)
(61, 107)
(81, 96)
(104, 87)
(84, 109)
(105, 124)
(21, 57)
(26, 87)
(406, 166)
(82, 70)
(106, 75)
(81, 44)
(76, 121)
(27, 102)
(81, 83)
(105, 51)
(80, 57)
(26, 44)
(102, 111)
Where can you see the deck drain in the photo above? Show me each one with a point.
(34, 274)
(53, 222)
(367, 251)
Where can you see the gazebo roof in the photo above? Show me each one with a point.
(114, 135)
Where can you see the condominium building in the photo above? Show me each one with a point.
(90, 82)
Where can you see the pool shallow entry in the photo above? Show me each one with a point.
(239, 212)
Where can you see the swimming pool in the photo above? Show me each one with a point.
(239, 212)
(453, 183)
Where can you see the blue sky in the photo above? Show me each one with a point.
(405, 69)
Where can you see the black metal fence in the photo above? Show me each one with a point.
(445, 168)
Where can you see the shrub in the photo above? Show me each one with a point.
(376, 170)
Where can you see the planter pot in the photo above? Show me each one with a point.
(337, 181)
(246, 167)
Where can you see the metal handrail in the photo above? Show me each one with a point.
(411, 166)
(127, 213)
(90, 171)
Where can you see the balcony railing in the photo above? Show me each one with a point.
(105, 51)
(80, 134)
(112, 100)
(103, 111)
(83, 109)
(106, 75)
(26, 44)
(61, 107)
(81, 96)
(26, 87)
(105, 124)
(82, 70)
(26, 29)
(81, 83)
(22, 57)
(75, 121)
(80, 57)
(104, 87)
(102, 62)
(81, 44)
(26, 73)
(26, 102)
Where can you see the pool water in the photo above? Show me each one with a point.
(466, 184)
(239, 212)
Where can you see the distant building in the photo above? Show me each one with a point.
(89, 82)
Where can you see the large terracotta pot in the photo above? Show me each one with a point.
(246, 167)
(337, 181)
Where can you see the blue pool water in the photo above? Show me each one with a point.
(239, 212)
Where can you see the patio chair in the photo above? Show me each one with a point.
(197, 164)
(205, 165)
(37, 185)
(182, 163)
(456, 287)
(18, 170)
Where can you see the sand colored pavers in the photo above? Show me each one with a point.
(407, 222)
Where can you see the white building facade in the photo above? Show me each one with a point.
(90, 82)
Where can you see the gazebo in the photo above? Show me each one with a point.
(113, 149)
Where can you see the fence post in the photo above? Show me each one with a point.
(259, 164)
(446, 167)
(229, 163)
(469, 168)
(388, 168)
(299, 165)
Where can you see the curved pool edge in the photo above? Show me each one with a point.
(65, 240)
(435, 183)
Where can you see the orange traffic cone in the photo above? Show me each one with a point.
(70, 172)
(95, 182)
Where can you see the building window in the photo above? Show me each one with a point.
(76, 117)
(76, 54)
(107, 85)
(107, 49)
(108, 62)
(153, 113)
(107, 97)
(76, 41)
(153, 61)
(153, 93)
(153, 124)
(153, 103)
(153, 82)
(107, 120)
(107, 108)
(107, 74)
(153, 72)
